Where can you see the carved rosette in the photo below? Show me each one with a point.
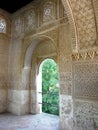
(48, 11)
(2, 25)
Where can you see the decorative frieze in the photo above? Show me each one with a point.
(85, 55)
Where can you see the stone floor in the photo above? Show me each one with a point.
(29, 122)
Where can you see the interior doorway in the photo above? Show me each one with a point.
(48, 87)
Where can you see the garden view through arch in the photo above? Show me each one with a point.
(48, 87)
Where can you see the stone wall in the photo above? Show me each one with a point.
(85, 115)
(53, 26)
(14, 92)
(4, 52)
(30, 26)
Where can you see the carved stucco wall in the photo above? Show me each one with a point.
(85, 91)
(84, 22)
(77, 33)
(95, 7)
(85, 65)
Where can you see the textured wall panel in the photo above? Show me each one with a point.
(85, 79)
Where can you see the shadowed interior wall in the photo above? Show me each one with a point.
(4, 61)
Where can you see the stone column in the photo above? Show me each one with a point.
(65, 73)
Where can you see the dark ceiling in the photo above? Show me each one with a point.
(13, 5)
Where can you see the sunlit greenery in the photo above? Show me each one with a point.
(50, 87)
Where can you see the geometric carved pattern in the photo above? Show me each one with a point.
(65, 71)
(85, 23)
(90, 55)
(30, 20)
(85, 78)
(65, 83)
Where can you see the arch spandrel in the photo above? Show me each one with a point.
(31, 47)
(82, 21)
(73, 29)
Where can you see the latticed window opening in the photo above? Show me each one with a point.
(2, 26)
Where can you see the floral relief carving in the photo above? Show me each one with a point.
(66, 105)
(66, 114)
(85, 116)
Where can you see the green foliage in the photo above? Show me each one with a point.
(50, 87)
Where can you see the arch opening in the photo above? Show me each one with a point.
(48, 87)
